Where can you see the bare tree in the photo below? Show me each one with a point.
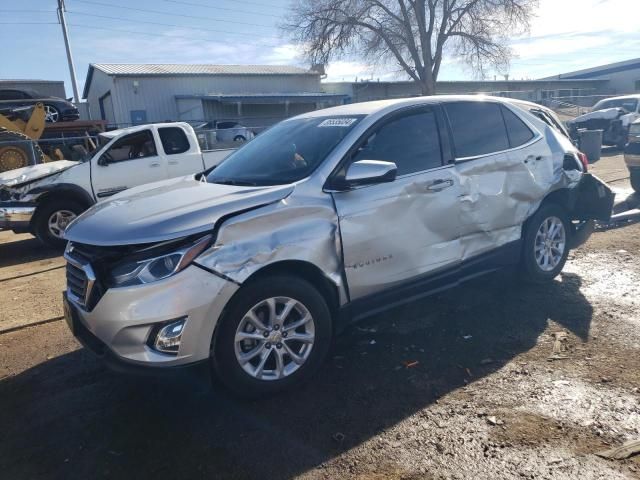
(416, 34)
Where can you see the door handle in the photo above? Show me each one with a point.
(532, 157)
(438, 185)
(173, 162)
(154, 164)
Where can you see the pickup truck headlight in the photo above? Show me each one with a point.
(152, 269)
(634, 129)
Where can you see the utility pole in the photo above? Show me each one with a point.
(65, 34)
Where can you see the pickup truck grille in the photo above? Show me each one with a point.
(80, 277)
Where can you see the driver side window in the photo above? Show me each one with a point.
(132, 146)
(411, 141)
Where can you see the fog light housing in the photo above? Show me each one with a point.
(167, 338)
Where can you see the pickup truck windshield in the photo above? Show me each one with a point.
(286, 153)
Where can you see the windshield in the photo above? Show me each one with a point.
(629, 104)
(286, 153)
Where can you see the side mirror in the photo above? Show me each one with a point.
(370, 172)
(103, 161)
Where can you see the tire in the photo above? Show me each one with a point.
(635, 180)
(239, 138)
(541, 261)
(44, 215)
(17, 151)
(225, 351)
(52, 114)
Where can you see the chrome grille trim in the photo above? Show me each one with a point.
(80, 277)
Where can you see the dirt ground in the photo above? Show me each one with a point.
(494, 379)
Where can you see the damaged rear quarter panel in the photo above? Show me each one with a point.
(297, 228)
(498, 193)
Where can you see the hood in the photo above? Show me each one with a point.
(606, 114)
(167, 210)
(24, 175)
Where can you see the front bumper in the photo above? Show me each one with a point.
(119, 326)
(16, 216)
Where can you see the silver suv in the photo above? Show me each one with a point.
(319, 221)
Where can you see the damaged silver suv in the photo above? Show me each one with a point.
(321, 220)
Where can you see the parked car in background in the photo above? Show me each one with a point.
(56, 109)
(632, 155)
(613, 116)
(226, 131)
(322, 219)
(43, 199)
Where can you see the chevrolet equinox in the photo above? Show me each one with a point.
(323, 219)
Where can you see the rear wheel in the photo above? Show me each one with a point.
(52, 220)
(275, 334)
(546, 244)
(239, 138)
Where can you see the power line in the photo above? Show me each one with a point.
(216, 7)
(258, 4)
(132, 32)
(28, 23)
(253, 35)
(160, 12)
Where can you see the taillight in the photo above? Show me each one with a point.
(584, 160)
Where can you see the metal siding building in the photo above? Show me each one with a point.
(54, 88)
(622, 77)
(126, 94)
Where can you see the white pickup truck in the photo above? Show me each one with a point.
(43, 199)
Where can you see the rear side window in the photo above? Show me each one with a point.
(477, 127)
(174, 140)
(411, 142)
(517, 130)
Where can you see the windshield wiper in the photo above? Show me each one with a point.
(238, 183)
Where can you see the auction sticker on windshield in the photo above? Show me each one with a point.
(337, 122)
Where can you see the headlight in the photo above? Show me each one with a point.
(137, 272)
(634, 129)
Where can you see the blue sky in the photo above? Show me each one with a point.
(565, 35)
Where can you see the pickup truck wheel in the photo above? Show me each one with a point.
(52, 220)
(275, 334)
(635, 180)
(546, 244)
(239, 138)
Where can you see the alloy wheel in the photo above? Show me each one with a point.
(550, 243)
(58, 222)
(274, 338)
(51, 114)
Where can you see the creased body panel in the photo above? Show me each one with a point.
(499, 192)
(396, 231)
(301, 228)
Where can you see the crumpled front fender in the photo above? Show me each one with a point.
(294, 229)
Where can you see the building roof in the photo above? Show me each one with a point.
(171, 69)
(587, 73)
(265, 97)
(197, 69)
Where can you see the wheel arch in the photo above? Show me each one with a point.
(59, 192)
(307, 271)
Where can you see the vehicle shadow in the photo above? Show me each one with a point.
(71, 418)
(23, 250)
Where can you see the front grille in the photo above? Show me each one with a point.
(80, 277)
(76, 282)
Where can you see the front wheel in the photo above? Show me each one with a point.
(546, 244)
(275, 334)
(52, 220)
(51, 114)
